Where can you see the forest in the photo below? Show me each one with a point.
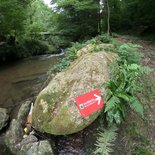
(32, 28)
(77, 77)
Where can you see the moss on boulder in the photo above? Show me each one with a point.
(55, 110)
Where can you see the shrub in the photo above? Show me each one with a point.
(122, 93)
(104, 38)
(10, 52)
(25, 48)
(123, 85)
(105, 140)
(129, 52)
(71, 55)
(35, 47)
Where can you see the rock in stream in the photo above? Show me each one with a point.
(4, 117)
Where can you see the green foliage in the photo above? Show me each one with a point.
(39, 19)
(16, 23)
(86, 18)
(12, 16)
(8, 52)
(25, 48)
(123, 86)
(105, 141)
(71, 55)
(99, 39)
(78, 17)
(142, 151)
(132, 15)
(128, 52)
(75, 19)
(104, 38)
(59, 41)
(143, 20)
(35, 47)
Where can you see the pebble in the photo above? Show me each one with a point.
(25, 136)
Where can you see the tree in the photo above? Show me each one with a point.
(12, 16)
(141, 14)
(78, 17)
(40, 18)
(134, 15)
(108, 18)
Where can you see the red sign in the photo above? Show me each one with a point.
(89, 102)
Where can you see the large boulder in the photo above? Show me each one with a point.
(4, 117)
(55, 110)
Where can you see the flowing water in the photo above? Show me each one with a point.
(21, 80)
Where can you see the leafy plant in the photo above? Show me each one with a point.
(123, 86)
(35, 47)
(129, 52)
(121, 94)
(71, 55)
(104, 38)
(99, 39)
(105, 141)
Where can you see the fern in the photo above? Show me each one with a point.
(136, 106)
(130, 53)
(123, 85)
(105, 141)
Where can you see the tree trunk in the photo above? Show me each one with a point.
(108, 18)
(99, 18)
(99, 23)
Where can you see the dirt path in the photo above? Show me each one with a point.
(148, 49)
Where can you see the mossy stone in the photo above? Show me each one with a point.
(55, 110)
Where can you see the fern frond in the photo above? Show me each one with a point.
(105, 141)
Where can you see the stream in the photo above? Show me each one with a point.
(22, 80)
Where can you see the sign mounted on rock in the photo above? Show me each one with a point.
(89, 102)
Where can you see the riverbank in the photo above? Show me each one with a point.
(16, 50)
(20, 81)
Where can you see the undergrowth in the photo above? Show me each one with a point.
(123, 85)
(70, 56)
(105, 141)
(12, 50)
(71, 53)
(122, 90)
